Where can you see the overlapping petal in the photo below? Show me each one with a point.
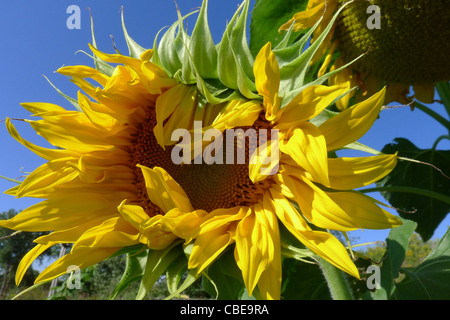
(353, 123)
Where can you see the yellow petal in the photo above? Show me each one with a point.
(152, 231)
(59, 213)
(71, 235)
(84, 72)
(83, 257)
(353, 173)
(133, 214)
(146, 55)
(317, 207)
(328, 58)
(257, 250)
(269, 284)
(47, 176)
(113, 232)
(74, 132)
(265, 161)
(117, 58)
(215, 234)
(184, 224)
(158, 237)
(308, 104)
(364, 211)
(42, 108)
(94, 242)
(47, 154)
(343, 78)
(306, 19)
(154, 78)
(166, 104)
(321, 243)
(28, 259)
(270, 281)
(308, 149)
(351, 124)
(99, 119)
(329, 210)
(252, 244)
(267, 80)
(164, 191)
(237, 113)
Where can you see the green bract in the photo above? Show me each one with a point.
(224, 71)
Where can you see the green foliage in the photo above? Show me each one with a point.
(430, 279)
(303, 281)
(13, 246)
(224, 279)
(397, 244)
(427, 212)
(268, 17)
(421, 182)
(409, 267)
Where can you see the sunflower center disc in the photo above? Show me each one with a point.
(411, 46)
(208, 186)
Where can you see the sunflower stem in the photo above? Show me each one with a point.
(336, 280)
(443, 89)
(433, 114)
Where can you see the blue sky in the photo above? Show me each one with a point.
(35, 41)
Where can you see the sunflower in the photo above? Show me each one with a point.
(408, 46)
(113, 183)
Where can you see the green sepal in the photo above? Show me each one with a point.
(239, 44)
(170, 54)
(227, 71)
(235, 61)
(73, 101)
(201, 46)
(293, 73)
(166, 51)
(134, 49)
(100, 65)
(188, 68)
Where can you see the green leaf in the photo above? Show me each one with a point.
(224, 278)
(267, 17)
(431, 279)
(303, 281)
(443, 88)
(157, 263)
(174, 273)
(134, 269)
(429, 212)
(190, 279)
(396, 247)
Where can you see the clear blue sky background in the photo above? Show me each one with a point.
(35, 41)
